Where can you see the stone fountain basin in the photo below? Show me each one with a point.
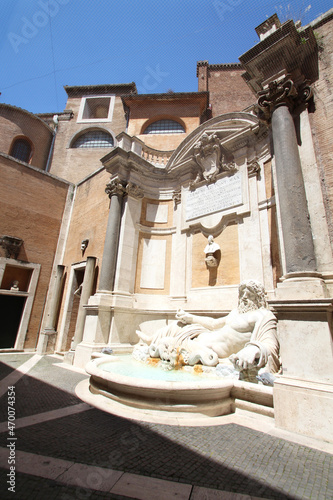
(210, 397)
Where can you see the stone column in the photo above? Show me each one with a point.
(115, 190)
(51, 320)
(279, 100)
(87, 287)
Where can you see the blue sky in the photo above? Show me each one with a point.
(46, 44)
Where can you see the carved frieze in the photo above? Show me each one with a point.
(134, 190)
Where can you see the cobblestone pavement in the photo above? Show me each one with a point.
(206, 462)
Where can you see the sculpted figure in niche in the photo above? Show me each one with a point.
(15, 286)
(210, 249)
(247, 335)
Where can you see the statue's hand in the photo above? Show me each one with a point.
(184, 317)
(246, 357)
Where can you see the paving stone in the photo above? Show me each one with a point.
(231, 457)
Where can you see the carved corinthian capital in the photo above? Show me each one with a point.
(115, 187)
(283, 93)
(277, 94)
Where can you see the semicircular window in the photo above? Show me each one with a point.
(94, 139)
(164, 127)
(21, 150)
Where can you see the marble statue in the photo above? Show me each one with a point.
(247, 335)
(15, 286)
(209, 250)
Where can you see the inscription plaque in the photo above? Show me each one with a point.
(224, 193)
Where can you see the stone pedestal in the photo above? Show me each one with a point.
(305, 407)
(303, 395)
(97, 327)
(302, 286)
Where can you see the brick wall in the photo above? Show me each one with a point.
(32, 205)
(228, 91)
(322, 119)
(17, 122)
(75, 164)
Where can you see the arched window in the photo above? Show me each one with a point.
(164, 127)
(94, 139)
(21, 149)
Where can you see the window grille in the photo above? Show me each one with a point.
(21, 150)
(164, 127)
(94, 139)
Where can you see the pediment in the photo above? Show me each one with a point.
(231, 131)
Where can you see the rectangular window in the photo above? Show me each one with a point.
(96, 109)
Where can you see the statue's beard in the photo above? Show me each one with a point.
(247, 306)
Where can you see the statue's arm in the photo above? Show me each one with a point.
(205, 321)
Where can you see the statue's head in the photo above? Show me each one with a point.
(251, 295)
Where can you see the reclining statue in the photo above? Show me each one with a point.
(247, 335)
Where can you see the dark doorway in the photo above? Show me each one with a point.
(11, 309)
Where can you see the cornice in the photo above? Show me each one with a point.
(10, 107)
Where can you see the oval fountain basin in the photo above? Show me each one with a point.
(135, 384)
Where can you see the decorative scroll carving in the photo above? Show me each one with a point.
(305, 92)
(177, 197)
(115, 187)
(283, 93)
(134, 190)
(277, 94)
(253, 168)
(11, 245)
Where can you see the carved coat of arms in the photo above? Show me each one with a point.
(209, 157)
